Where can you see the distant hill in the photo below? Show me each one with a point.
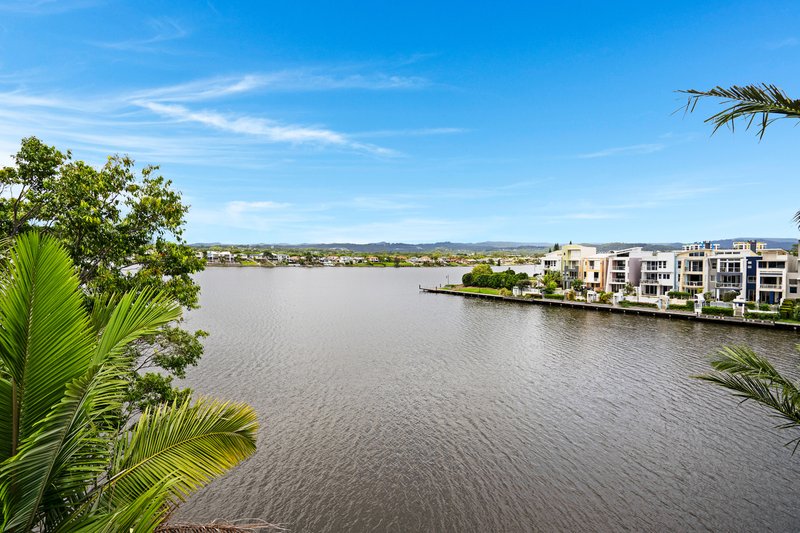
(487, 246)
(397, 247)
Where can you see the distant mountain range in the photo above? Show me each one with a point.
(487, 246)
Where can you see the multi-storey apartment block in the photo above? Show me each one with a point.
(594, 272)
(658, 274)
(693, 271)
(749, 268)
(776, 276)
(727, 271)
(552, 261)
(624, 267)
(567, 260)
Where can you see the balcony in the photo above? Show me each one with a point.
(771, 286)
(650, 282)
(729, 285)
(694, 284)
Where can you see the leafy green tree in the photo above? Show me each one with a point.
(122, 231)
(68, 460)
(553, 276)
(739, 369)
(577, 285)
(482, 269)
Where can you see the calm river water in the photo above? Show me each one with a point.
(386, 409)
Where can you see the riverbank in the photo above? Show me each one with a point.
(254, 264)
(631, 310)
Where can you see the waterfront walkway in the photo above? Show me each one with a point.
(646, 311)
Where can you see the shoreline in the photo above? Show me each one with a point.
(360, 265)
(674, 315)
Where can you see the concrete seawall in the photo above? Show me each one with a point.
(673, 315)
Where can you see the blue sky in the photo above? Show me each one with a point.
(417, 121)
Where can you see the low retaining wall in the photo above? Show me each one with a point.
(675, 315)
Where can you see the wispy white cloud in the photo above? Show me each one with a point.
(293, 80)
(784, 43)
(157, 110)
(635, 149)
(266, 129)
(200, 90)
(161, 30)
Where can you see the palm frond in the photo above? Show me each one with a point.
(752, 377)
(135, 316)
(45, 344)
(64, 451)
(190, 443)
(6, 391)
(142, 515)
(764, 102)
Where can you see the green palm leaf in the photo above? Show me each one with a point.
(191, 444)
(765, 102)
(45, 343)
(752, 377)
(64, 390)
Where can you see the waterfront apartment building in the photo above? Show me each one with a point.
(693, 272)
(658, 273)
(595, 271)
(567, 260)
(624, 266)
(776, 277)
(748, 268)
(727, 271)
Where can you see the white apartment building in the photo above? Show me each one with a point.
(727, 271)
(624, 266)
(658, 273)
(777, 277)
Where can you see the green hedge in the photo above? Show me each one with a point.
(717, 311)
(554, 296)
(680, 295)
(761, 316)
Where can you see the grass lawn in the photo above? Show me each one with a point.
(479, 290)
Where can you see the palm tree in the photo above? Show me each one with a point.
(737, 368)
(68, 462)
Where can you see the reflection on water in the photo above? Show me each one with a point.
(386, 409)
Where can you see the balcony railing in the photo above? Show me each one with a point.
(721, 285)
(694, 284)
(771, 286)
(650, 282)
